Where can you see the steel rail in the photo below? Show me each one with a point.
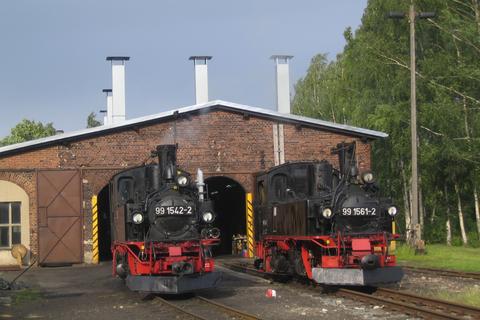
(249, 270)
(446, 273)
(417, 307)
(404, 302)
(235, 312)
(180, 309)
(442, 305)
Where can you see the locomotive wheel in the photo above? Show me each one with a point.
(121, 268)
(280, 264)
(258, 264)
(299, 267)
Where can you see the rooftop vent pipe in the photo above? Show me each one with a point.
(201, 78)
(118, 89)
(107, 119)
(104, 111)
(283, 82)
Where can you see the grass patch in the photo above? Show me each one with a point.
(441, 257)
(470, 296)
(25, 295)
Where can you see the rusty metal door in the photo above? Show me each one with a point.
(59, 217)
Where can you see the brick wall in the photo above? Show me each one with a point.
(312, 144)
(221, 143)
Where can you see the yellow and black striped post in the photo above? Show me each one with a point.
(249, 215)
(393, 244)
(94, 230)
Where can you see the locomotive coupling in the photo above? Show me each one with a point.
(182, 268)
(370, 262)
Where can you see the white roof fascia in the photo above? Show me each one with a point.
(230, 105)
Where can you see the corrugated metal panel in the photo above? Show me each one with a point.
(212, 105)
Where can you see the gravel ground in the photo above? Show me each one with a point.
(427, 285)
(294, 302)
(86, 292)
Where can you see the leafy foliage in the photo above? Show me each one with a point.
(368, 85)
(27, 130)
(92, 121)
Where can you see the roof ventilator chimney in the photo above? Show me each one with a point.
(107, 119)
(283, 82)
(201, 78)
(104, 111)
(118, 89)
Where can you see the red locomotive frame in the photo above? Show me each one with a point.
(157, 258)
(342, 261)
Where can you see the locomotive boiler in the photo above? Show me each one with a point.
(162, 227)
(329, 225)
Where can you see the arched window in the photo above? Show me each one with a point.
(261, 193)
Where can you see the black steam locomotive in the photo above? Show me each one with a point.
(162, 232)
(327, 224)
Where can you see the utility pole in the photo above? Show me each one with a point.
(412, 17)
(417, 231)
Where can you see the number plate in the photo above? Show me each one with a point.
(174, 210)
(359, 211)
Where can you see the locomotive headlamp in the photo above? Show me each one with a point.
(182, 181)
(137, 218)
(392, 211)
(207, 217)
(367, 177)
(327, 213)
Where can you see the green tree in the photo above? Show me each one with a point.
(368, 84)
(27, 130)
(92, 121)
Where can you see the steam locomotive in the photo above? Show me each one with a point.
(329, 225)
(162, 227)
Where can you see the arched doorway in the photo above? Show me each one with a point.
(229, 200)
(104, 227)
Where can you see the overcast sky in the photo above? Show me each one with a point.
(52, 57)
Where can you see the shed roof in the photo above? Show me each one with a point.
(209, 106)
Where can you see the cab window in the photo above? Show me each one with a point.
(299, 183)
(279, 187)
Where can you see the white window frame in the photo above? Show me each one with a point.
(10, 224)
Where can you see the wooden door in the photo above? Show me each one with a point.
(59, 217)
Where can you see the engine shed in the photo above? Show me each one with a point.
(54, 191)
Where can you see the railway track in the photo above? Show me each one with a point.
(413, 305)
(179, 309)
(216, 310)
(403, 302)
(444, 273)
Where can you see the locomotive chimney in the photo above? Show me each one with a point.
(108, 117)
(201, 78)
(118, 89)
(346, 158)
(167, 160)
(282, 76)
